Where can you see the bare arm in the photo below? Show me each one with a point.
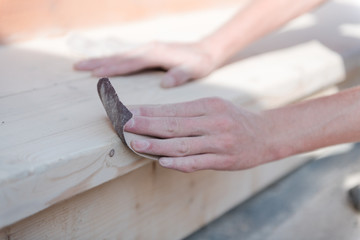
(317, 123)
(189, 61)
(259, 18)
(215, 134)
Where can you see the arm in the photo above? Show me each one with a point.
(215, 134)
(259, 18)
(189, 61)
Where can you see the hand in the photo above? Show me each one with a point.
(184, 62)
(208, 133)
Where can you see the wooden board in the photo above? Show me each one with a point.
(55, 138)
(149, 203)
(62, 146)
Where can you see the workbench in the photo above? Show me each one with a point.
(64, 174)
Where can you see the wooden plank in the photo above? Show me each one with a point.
(56, 139)
(62, 147)
(144, 204)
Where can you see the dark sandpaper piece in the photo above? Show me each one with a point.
(119, 115)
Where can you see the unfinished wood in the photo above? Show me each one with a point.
(145, 204)
(62, 147)
(55, 138)
(168, 205)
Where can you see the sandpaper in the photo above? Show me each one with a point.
(119, 115)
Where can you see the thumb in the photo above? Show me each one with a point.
(176, 76)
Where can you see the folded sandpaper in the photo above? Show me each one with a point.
(119, 115)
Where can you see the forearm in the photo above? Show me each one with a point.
(315, 123)
(259, 18)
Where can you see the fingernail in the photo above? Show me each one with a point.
(135, 112)
(129, 124)
(166, 162)
(140, 145)
(168, 81)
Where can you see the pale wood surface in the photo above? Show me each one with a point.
(149, 203)
(56, 139)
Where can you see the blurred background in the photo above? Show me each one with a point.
(21, 20)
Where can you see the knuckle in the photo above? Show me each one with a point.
(183, 148)
(172, 126)
(193, 165)
(154, 147)
(151, 147)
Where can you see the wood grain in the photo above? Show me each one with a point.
(62, 147)
(55, 138)
(145, 204)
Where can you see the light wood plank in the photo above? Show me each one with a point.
(73, 132)
(149, 203)
(168, 205)
(55, 138)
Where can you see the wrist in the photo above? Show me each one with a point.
(281, 138)
(214, 50)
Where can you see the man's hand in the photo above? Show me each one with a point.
(212, 133)
(183, 62)
(208, 133)
(188, 61)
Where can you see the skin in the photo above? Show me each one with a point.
(208, 133)
(188, 61)
(212, 133)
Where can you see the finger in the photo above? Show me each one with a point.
(195, 162)
(186, 109)
(174, 147)
(176, 76)
(92, 64)
(166, 127)
(123, 67)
